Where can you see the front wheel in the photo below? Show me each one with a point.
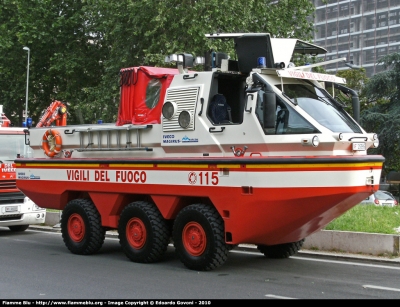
(81, 227)
(18, 228)
(281, 250)
(198, 235)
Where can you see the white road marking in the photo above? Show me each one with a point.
(331, 261)
(381, 288)
(280, 297)
(349, 263)
(45, 231)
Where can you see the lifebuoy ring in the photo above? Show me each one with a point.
(51, 143)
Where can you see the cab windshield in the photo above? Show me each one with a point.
(321, 106)
(11, 145)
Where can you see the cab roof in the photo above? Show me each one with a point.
(250, 46)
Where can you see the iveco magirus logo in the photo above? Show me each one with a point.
(186, 139)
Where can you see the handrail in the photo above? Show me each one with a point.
(90, 129)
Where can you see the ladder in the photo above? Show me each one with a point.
(110, 133)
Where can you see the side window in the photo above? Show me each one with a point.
(282, 119)
(153, 92)
(260, 107)
(288, 121)
(219, 111)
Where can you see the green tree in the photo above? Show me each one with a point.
(13, 61)
(383, 117)
(144, 32)
(356, 79)
(79, 46)
(65, 62)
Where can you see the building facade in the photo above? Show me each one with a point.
(360, 30)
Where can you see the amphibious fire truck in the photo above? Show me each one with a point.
(17, 211)
(250, 150)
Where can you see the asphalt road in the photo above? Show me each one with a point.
(37, 265)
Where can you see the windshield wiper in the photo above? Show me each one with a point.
(294, 101)
(327, 98)
(321, 98)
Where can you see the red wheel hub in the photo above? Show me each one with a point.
(136, 233)
(76, 227)
(194, 238)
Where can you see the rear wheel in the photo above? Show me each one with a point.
(281, 250)
(81, 227)
(198, 236)
(18, 228)
(143, 232)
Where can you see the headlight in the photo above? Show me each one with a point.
(376, 140)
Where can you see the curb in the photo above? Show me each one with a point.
(374, 244)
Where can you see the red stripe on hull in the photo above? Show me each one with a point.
(258, 215)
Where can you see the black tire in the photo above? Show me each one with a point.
(198, 236)
(18, 228)
(143, 232)
(281, 250)
(81, 227)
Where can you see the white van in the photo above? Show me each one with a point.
(17, 211)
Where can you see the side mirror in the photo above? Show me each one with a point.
(269, 109)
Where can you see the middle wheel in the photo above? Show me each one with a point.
(143, 232)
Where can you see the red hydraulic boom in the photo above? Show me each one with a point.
(57, 112)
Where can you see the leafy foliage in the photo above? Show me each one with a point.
(12, 62)
(356, 79)
(79, 46)
(64, 64)
(383, 92)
